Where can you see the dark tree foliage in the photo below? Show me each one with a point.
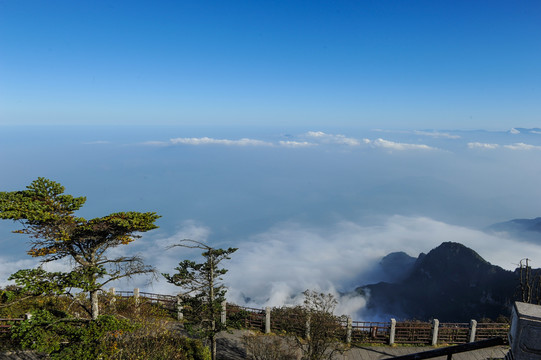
(203, 290)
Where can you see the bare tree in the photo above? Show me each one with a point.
(530, 283)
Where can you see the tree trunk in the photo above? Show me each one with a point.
(211, 298)
(95, 310)
(213, 345)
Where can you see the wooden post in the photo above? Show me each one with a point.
(473, 330)
(373, 332)
(436, 324)
(392, 332)
(349, 330)
(267, 320)
(180, 315)
(307, 335)
(223, 315)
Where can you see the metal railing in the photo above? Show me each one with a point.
(372, 332)
(454, 333)
(413, 332)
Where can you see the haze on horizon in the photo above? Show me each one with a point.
(317, 137)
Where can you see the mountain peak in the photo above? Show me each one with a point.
(451, 283)
(452, 261)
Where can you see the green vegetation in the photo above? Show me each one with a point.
(64, 322)
(65, 337)
(126, 329)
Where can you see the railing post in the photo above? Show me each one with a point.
(223, 316)
(267, 320)
(112, 291)
(435, 326)
(392, 332)
(473, 330)
(349, 330)
(180, 315)
(136, 298)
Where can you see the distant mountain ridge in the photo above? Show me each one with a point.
(450, 283)
(526, 130)
(522, 229)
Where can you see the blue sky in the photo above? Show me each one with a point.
(394, 64)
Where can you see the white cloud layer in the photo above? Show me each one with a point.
(212, 141)
(316, 137)
(332, 139)
(404, 141)
(296, 144)
(478, 145)
(522, 146)
(391, 145)
(516, 146)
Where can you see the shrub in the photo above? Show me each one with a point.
(65, 337)
(162, 346)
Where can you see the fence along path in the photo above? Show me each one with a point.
(392, 332)
(277, 319)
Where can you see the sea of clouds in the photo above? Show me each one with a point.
(274, 267)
